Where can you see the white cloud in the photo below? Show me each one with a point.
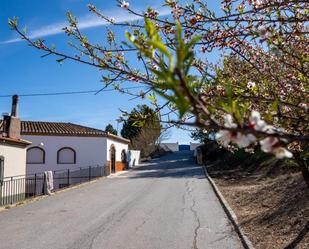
(90, 21)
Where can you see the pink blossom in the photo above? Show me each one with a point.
(124, 5)
(272, 145)
(220, 89)
(226, 137)
(258, 3)
(251, 85)
(228, 121)
(264, 33)
(256, 123)
(177, 11)
(241, 140)
(241, 7)
(304, 106)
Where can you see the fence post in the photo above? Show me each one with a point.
(89, 173)
(44, 189)
(1, 199)
(11, 190)
(34, 184)
(68, 177)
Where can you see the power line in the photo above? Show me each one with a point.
(69, 92)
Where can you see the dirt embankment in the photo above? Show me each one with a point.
(269, 197)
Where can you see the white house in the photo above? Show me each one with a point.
(58, 146)
(12, 157)
(170, 146)
(30, 148)
(12, 169)
(134, 158)
(12, 147)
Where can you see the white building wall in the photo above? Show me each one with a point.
(193, 146)
(171, 146)
(14, 160)
(119, 146)
(90, 151)
(134, 158)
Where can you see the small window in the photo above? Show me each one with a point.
(35, 155)
(66, 156)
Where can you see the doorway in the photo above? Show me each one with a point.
(113, 158)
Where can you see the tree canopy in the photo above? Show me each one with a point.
(255, 95)
(142, 126)
(109, 128)
(201, 135)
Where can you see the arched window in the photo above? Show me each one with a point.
(35, 155)
(66, 155)
(123, 156)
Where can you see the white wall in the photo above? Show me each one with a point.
(134, 158)
(90, 151)
(14, 160)
(119, 147)
(171, 146)
(193, 146)
(14, 165)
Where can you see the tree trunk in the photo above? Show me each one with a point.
(305, 172)
(304, 168)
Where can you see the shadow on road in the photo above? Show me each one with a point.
(175, 165)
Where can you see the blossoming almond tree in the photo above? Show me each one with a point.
(257, 94)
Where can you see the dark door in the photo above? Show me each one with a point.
(113, 159)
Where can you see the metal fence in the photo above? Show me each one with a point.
(18, 188)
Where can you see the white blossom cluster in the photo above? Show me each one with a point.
(269, 144)
(125, 5)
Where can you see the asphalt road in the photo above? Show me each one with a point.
(165, 204)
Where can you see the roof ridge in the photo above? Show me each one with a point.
(48, 128)
(41, 121)
(83, 126)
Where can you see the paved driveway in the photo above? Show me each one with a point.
(165, 204)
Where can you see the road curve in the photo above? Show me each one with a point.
(164, 204)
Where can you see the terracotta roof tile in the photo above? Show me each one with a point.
(57, 128)
(62, 129)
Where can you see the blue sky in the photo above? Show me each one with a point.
(22, 69)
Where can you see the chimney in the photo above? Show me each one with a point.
(11, 123)
(14, 112)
